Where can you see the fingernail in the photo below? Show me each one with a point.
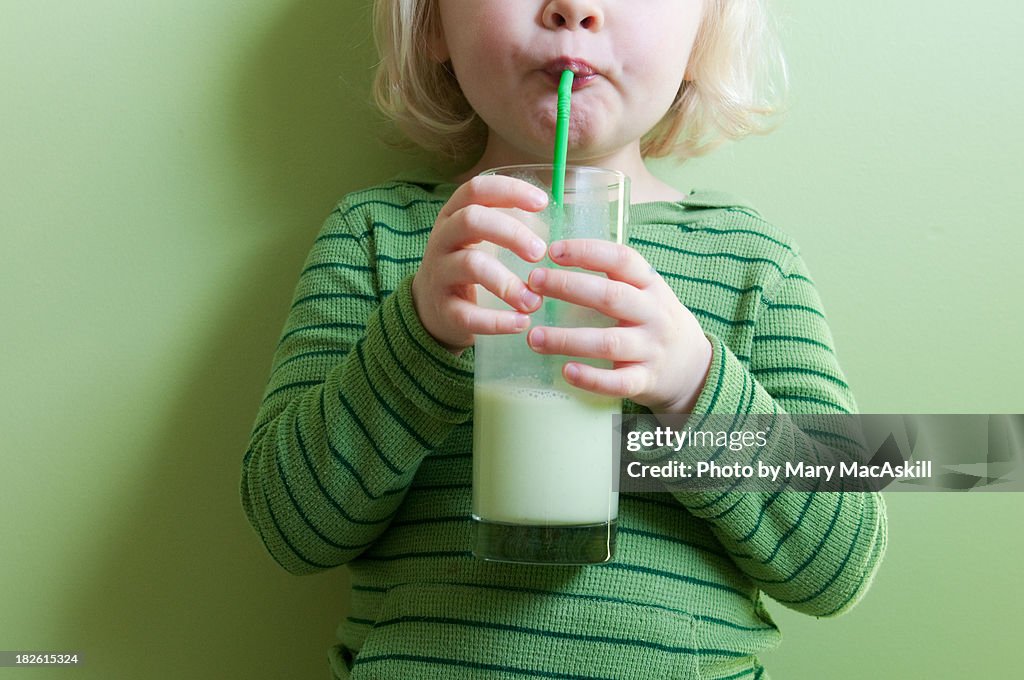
(537, 337)
(539, 198)
(530, 299)
(537, 249)
(572, 372)
(522, 322)
(537, 277)
(557, 249)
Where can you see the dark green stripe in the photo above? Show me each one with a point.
(433, 359)
(726, 255)
(688, 229)
(729, 624)
(419, 386)
(330, 499)
(409, 430)
(429, 554)
(792, 529)
(774, 496)
(817, 549)
(431, 520)
(341, 236)
(359, 622)
(798, 308)
(366, 433)
(337, 265)
(872, 559)
(732, 426)
(341, 460)
(374, 225)
(302, 515)
(793, 338)
(732, 488)
(442, 458)
(400, 232)
(811, 400)
(675, 540)
(558, 635)
(306, 355)
(399, 206)
(760, 517)
(600, 598)
(720, 371)
(291, 386)
(398, 260)
(720, 319)
(842, 567)
(437, 660)
(764, 506)
(711, 282)
(748, 671)
(802, 371)
(334, 296)
(284, 537)
(640, 569)
(321, 327)
(369, 589)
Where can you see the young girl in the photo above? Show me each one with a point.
(361, 452)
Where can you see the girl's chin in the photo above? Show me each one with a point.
(533, 140)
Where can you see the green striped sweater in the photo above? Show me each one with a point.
(361, 456)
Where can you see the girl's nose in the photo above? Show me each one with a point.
(573, 15)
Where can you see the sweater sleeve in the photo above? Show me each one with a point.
(359, 394)
(814, 552)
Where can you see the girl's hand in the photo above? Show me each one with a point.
(659, 353)
(443, 291)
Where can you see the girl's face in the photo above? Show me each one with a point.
(629, 57)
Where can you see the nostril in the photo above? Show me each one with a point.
(571, 21)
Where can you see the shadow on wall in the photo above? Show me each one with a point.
(186, 589)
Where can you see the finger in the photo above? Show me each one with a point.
(615, 299)
(496, 191)
(615, 344)
(480, 321)
(475, 266)
(476, 223)
(626, 382)
(619, 262)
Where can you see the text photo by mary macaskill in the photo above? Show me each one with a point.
(807, 453)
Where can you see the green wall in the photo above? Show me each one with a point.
(166, 167)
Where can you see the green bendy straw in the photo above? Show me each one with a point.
(561, 136)
(558, 190)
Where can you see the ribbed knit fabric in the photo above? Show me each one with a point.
(361, 455)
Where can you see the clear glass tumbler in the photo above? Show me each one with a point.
(543, 457)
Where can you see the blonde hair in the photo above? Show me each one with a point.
(735, 86)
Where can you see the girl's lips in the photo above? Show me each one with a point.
(583, 73)
(578, 81)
